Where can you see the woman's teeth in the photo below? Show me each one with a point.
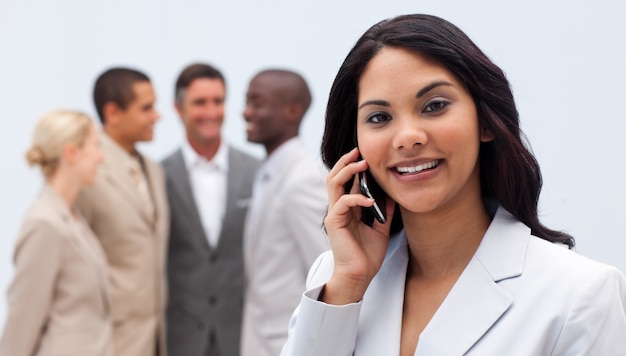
(419, 168)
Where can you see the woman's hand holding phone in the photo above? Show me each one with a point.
(358, 250)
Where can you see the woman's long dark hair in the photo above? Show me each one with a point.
(508, 169)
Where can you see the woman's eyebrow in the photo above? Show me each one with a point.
(420, 93)
(374, 102)
(430, 87)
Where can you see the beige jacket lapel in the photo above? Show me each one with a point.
(82, 239)
(117, 171)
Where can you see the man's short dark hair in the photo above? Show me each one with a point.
(116, 85)
(191, 73)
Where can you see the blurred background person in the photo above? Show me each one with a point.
(209, 185)
(58, 301)
(283, 233)
(127, 210)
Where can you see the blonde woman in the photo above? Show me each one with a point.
(58, 301)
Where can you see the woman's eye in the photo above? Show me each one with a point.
(435, 106)
(378, 117)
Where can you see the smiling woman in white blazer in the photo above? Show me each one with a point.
(462, 266)
(58, 300)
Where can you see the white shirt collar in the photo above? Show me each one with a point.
(193, 159)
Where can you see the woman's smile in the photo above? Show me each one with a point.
(413, 169)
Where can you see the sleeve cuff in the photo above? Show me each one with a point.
(324, 329)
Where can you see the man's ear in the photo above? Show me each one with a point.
(486, 135)
(179, 109)
(111, 113)
(294, 112)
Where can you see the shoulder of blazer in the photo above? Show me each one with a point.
(153, 168)
(114, 155)
(172, 159)
(242, 158)
(242, 167)
(44, 217)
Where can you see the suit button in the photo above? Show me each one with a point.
(213, 257)
(200, 325)
(212, 300)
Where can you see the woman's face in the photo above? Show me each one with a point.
(418, 130)
(89, 157)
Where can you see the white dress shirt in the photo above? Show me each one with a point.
(208, 181)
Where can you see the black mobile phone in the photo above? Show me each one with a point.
(372, 191)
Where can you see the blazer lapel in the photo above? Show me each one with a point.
(117, 173)
(157, 202)
(96, 258)
(236, 197)
(87, 247)
(179, 177)
(476, 301)
(381, 314)
(275, 182)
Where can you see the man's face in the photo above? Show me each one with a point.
(137, 121)
(265, 112)
(201, 109)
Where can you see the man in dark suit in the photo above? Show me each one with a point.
(209, 187)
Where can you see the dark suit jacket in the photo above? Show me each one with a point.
(206, 285)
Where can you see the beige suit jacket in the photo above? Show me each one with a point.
(134, 241)
(58, 301)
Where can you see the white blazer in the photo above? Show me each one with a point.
(280, 246)
(519, 295)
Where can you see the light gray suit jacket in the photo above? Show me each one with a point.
(206, 285)
(280, 245)
(519, 295)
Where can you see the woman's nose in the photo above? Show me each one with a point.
(410, 131)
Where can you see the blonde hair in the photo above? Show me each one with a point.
(52, 132)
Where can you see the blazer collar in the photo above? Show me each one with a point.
(381, 311)
(76, 232)
(235, 199)
(179, 177)
(476, 299)
(116, 168)
(50, 196)
(296, 151)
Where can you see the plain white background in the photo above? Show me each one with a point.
(564, 59)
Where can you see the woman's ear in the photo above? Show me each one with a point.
(486, 135)
(70, 151)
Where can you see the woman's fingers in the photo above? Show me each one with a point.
(342, 172)
(339, 214)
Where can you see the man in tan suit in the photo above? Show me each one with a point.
(127, 209)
